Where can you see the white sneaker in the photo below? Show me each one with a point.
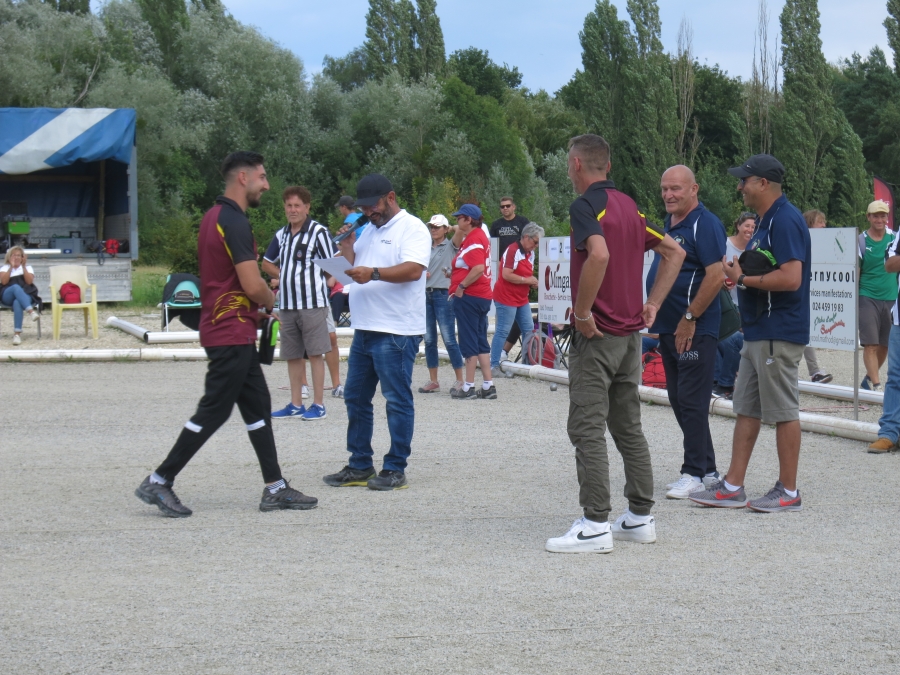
(34, 314)
(17, 339)
(711, 479)
(628, 528)
(685, 486)
(338, 391)
(304, 392)
(585, 536)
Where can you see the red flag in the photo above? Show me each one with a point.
(884, 193)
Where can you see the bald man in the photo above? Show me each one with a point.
(688, 324)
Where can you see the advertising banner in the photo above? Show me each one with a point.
(554, 280)
(833, 288)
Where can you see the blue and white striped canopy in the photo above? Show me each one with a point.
(33, 139)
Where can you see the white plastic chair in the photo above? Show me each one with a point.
(77, 274)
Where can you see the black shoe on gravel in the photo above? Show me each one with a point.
(348, 477)
(286, 498)
(488, 393)
(389, 480)
(460, 395)
(163, 497)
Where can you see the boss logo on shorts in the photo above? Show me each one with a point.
(689, 356)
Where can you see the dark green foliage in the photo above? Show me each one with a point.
(71, 6)
(167, 18)
(892, 25)
(349, 71)
(474, 67)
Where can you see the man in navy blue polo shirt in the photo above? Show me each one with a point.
(688, 324)
(774, 304)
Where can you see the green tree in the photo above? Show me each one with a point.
(71, 6)
(822, 154)
(431, 55)
(892, 25)
(348, 71)
(167, 18)
(475, 67)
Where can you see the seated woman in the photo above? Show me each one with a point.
(511, 291)
(470, 293)
(16, 275)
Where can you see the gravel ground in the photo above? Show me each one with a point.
(449, 576)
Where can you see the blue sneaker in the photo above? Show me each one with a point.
(865, 383)
(290, 410)
(315, 412)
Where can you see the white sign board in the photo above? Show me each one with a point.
(554, 280)
(648, 262)
(833, 288)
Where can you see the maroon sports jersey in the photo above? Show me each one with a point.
(228, 316)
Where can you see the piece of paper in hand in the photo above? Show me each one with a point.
(336, 267)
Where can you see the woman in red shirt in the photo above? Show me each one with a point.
(511, 290)
(470, 293)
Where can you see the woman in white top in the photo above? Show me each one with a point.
(14, 276)
(736, 243)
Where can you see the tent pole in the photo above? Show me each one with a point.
(101, 207)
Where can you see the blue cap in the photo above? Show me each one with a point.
(469, 210)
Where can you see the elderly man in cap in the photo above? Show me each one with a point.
(774, 304)
(388, 298)
(438, 311)
(877, 293)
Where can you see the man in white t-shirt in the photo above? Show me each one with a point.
(388, 299)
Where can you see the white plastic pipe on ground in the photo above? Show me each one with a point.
(820, 424)
(839, 393)
(145, 354)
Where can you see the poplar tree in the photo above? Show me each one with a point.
(167, 19)
(431, 53)
(892, 25)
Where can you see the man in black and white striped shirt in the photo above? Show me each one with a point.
(303, 306)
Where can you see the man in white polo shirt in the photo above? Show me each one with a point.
(388, 299)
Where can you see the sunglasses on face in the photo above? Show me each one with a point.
(743, 181)
(506, 206)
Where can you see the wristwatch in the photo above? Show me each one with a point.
(376, 275)
(689, 317)
(740, 282)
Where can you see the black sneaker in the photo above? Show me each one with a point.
(461, 395)
(347, 477)
(389, 480)
(163, 497)
(488, 393)
(723, 392)
(822, 378)
(286, 498)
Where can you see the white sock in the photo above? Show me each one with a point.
(730, 487)
(156, 479)
(487, 384)
(791, 493)
(634, 519)
(468, 385)
(593, 527)
(275, 487)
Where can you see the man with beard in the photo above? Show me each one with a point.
(389, 261)
(231, 292)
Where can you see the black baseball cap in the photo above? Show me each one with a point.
(345, 201)
(761, 166)
(371, 188)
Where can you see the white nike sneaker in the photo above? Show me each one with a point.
(685, 487)
(710, 479)
(627, 528)
(585, 536)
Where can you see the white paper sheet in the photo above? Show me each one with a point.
(336, 268)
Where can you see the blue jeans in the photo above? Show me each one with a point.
(889, 424)
(439, 313)
(648, 343)
(728, 359)
(386, 358)
(16, 296)
(503, 321)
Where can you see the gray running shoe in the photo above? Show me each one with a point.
(488, 393)
(389, 480)
(347, 477)
(718, 495)
(286, 498)
(163, 497)
(776, 500)
(461, 395)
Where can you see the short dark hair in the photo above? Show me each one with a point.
(507, 199)
(593, 150)
(296, 191)
(240, 160)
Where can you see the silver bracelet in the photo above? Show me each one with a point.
(578, 318)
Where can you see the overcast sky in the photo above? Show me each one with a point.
(541, 36)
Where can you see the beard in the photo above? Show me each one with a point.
(253, 200)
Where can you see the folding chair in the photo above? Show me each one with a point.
(181, 297)
(77, 274)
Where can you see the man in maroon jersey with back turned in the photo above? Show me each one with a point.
(609, 238)
(231, 292)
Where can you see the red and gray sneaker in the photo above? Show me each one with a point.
(776, 500)
(163, 497)
(720, 496)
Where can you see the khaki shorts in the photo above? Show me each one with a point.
(767, 386)
(304, 331)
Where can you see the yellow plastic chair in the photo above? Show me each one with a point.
(77, 274)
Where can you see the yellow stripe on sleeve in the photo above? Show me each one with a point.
(222, 233)
(601, 214)
(655, 233)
